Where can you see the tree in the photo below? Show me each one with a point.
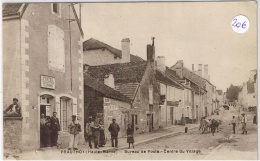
(232, 93)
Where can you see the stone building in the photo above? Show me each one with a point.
(96, 52)
(103, 102)
(248, 95)
(42, 69)
(200, 91)
(220, 98)
(137, 81)
(171, 96)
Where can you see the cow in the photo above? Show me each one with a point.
(214, 125)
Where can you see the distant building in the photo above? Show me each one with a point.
(99, 53)
(248, 95)
(220, 98)
(171, 96)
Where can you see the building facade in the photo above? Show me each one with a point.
(40, 70)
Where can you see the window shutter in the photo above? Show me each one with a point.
(60, 49)
(75, 105)
(52, 46)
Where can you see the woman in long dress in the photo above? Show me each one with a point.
(102, 139)
(130, 135)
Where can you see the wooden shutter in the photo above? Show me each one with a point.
(75, 106)
(60, 49)
(52, 46)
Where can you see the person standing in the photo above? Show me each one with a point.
(48, 132)
(96, 132)
(130, 135)
(243, 122)
(42, 131)
(89, 132)
(233, 122)
(74, 129)
(14, 110)
(102, 138)
(114, 129)
(55, 128)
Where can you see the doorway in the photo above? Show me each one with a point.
(171, 115)
(46, 102)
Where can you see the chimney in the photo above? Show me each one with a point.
(109, 80)
(150, 53)
(192, 67)
(125, 50)
(179, 68)
(161, 63)
(206, 71)
(200, 70)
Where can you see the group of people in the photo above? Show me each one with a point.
(49, 130)
(236, 122)
(95, 133)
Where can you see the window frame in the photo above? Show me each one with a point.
(58, 9)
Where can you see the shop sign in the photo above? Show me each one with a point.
(47, 82)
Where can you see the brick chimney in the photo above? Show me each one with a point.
(192, 67)
(206, 71)
(179, 68)
(161, 63)
(200, 70)
(109, 80)
(151, 54)
(125, 50)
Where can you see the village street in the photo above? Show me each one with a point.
(191, 145)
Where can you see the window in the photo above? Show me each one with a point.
(64, 114)
(56, 9)
(136, 121)
(56, 48)
(150, 94)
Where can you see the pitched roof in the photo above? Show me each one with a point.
(250, 87)
(104, 89)
(193, 86)
(128, 89)
(220, 92)
(123, 72)
(92, 44)
(165, 78)
(10, 9)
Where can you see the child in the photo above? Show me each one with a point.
(130, 135)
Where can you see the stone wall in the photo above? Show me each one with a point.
(13, 134)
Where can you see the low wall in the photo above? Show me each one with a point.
(13, 134)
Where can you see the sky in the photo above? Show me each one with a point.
(195, 32)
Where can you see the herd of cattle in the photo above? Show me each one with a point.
(209, 125)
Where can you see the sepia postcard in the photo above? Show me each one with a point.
(131, 81)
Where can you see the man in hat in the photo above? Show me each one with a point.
(14, 110)
(89, 131)
(74, 129)
(114, 129)
(55, 128)
(243, 122)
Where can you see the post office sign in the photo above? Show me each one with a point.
(47, 82)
